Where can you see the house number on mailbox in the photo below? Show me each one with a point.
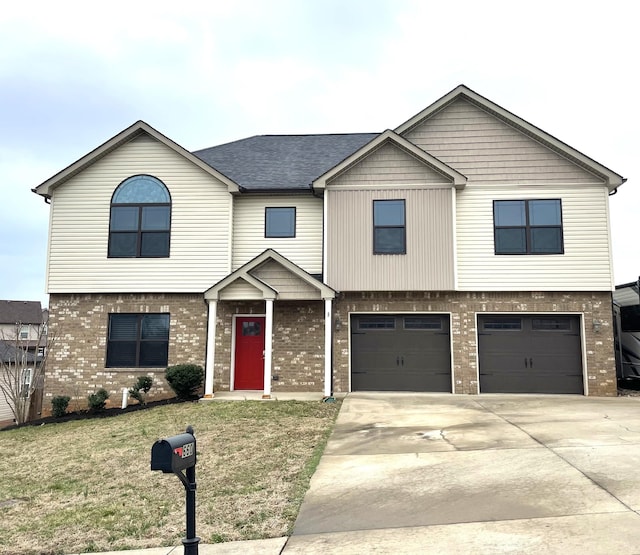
(185, 451)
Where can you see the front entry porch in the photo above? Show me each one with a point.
(269, 329)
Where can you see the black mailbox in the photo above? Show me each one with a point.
(174, 454)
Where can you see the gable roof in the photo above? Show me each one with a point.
(23, 312)
(268, 292)
(611, 178)
(281, 162)
(292, 163)
(135, 130)
(391, 137)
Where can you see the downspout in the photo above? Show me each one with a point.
(328, 358)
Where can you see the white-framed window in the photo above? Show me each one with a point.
(27, 378)
(24, 331)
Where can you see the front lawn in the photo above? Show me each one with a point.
(87, 485)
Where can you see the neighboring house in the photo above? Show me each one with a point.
(20, 331)
(465, 251)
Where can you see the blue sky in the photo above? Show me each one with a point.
(72, 75)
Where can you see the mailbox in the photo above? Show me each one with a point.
(174, 454)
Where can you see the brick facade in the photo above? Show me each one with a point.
(76, 364)
(298, 343)
(463, 307)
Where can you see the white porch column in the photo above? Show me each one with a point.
(211, 348)
(327, 347)
(268, 347)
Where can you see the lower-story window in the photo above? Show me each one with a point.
(138, 340)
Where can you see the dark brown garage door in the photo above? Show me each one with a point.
(398, 352)
(530, 354)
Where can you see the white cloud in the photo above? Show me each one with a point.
(205, 72)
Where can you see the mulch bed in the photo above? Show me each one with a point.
(626, 388)
(88, 414)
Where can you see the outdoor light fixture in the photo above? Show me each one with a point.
(597, 324)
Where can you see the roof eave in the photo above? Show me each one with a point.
(244, 272)
(458, 180)
(612, 179)
(138, 128)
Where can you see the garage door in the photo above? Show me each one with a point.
(530, 354)
(397, 352)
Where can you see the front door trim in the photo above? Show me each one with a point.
(232, 377)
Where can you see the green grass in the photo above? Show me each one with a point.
(87, 485)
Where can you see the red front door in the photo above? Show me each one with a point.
(249, 355)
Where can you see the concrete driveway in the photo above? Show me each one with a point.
(428, 473)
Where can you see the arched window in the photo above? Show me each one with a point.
(140, 222)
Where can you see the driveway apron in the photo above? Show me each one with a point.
(409, 473)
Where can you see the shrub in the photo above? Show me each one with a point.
(143, 384)
(185, 380)
(59, 405)
(98, 400)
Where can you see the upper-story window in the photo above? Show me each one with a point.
(24, 331)
(389, 229)
(140, 222)
(279, 221)
(528, 226)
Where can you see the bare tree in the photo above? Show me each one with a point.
(22, 366)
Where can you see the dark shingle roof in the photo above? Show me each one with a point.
(281, 162)
(23, 312)
(10, 351)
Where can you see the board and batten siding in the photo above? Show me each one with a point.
(486, 149)
(305, 249)
(429, 261)
(584, 266)
(79, 227)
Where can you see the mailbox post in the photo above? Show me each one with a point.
(175, 455)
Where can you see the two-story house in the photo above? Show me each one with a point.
(465, 251)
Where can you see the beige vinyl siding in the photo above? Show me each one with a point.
(388, 165)
(584, 266)
(240, 290)
(9, 331)
(200, 223)
(288, 285)
(486, 149)
(429, 262)
(5, 410)
(305, 249)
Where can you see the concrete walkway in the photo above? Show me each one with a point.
(429, 473)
